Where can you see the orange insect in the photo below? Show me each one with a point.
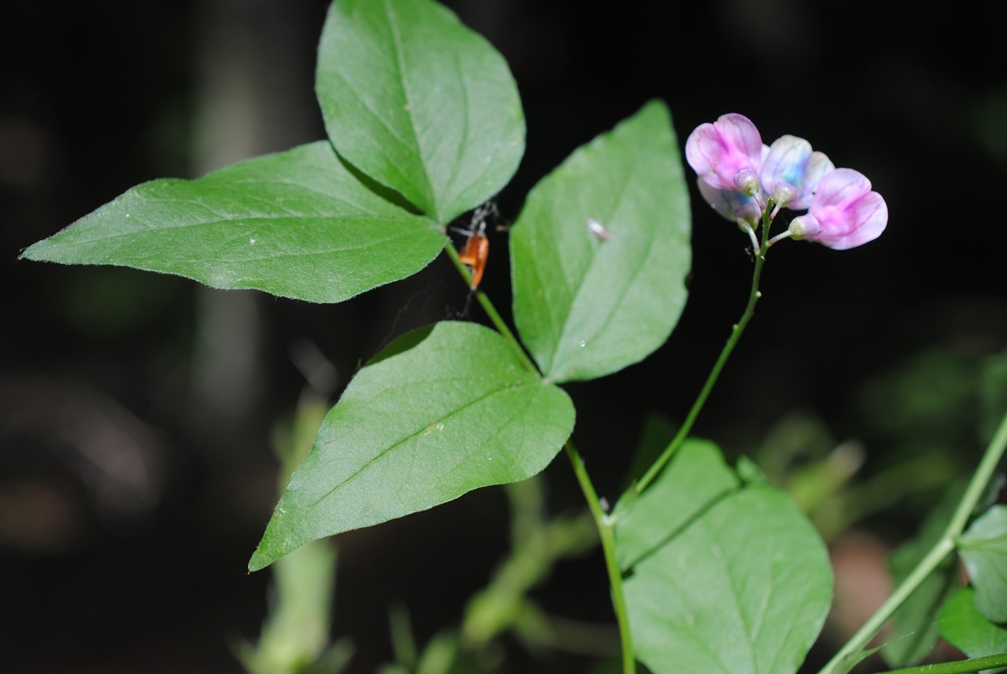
(475, 252)
(477, 247)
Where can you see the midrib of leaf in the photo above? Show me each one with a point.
(415, 434)
(256, 218)
(503, 425)
(615, 306)
(459, 153)
(401, 68)
(681, 528)
(725, 569)
(326, 197)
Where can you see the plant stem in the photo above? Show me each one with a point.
(738, 328)
(943, 547)
(490, 310)
(958, 667)
(606, 533)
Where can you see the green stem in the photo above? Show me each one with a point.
(606, 533)
(937, 554)
(739, 327)
(490, 310)
(958, 667)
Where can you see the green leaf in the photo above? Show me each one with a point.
(740, 585)
(600, 252)
(983, 549)
(970, 631)
(915, 627)
(419, 103)
(455, 412)
(645, 522)
(295, 224)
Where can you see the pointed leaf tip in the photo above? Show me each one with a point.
(600, 252)
(448, 412)
(295, 224)
(419, 102)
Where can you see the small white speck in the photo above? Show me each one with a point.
(582, 343)
(127, 215)
(599, 230)
(251, 241)
(440, 427)
(489, 458)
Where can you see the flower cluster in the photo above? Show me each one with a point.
(741, 178)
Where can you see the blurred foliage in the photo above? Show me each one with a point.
(295, 635)
(100, 97)
(915, 624)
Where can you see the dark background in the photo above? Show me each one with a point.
(136, 410)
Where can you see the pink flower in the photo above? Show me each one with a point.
(726, 154)
(844, 212)
(732, 205)
(790, 161)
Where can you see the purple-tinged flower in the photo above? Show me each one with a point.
(844, 212)
(733, 205)
(790, 161)
(726, 154)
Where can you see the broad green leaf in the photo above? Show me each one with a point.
(295, 224)
(915, 627)
(419, 103)
(983, 549)
(741, 586)
(970, 631)
(639, 531)
(600, 252)
(455, 412)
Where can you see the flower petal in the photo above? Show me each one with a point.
(731, 204)
(791, 161)
(870, 212)
(818, 166)
(718, 152)
(740, 132)
(839, 188)
(846, 213)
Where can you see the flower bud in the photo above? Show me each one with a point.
(747, 182)
(784, 194)
(804, 227)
